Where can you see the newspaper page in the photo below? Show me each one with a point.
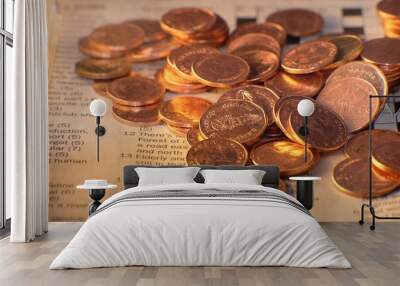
(72, 129)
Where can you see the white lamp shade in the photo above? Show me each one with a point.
(305, 107)
(98, 107)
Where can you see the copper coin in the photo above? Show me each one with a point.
(102, 68)
(327, 131)
(286, 84)
(184, 111)
(217, 151)
(215, 34)
(152, 51)
(101, 86)
(382, 51)
(364, 71)
(263, 65)
(178, 131)
(272, 29)
(298, 22)
(188, 20)
(287, 155)
(137, 116)
(349, 97)
(282, 111)
(357, 146)
(194, 136)
(117, 37)
(390, 8)
(349, 48)
(255, 40)
(262, 96)
(219, 70)
(151, 28)
(239, 120)
(172, 77)
(183, 58)
(135, 91)
(351, 177)
(386, 157)
(88, 49)
(309, 57)
(178, 87)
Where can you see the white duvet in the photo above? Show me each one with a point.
(200, 231)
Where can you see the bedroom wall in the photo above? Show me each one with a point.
(72, 138)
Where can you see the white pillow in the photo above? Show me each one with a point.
(248, 177)
(166, 176)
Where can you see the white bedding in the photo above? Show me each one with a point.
(200, 231)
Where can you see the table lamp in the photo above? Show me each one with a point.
(98, 109)
(305, 108)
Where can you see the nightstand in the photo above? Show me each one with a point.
(97, 190)
(305, 193)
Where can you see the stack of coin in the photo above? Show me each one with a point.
(389, 12)
(136, 100)
(351, 174)
(195, 26)
(271, 29)
(182, 113)
(261, 52)
(177, 75)
(384, 53)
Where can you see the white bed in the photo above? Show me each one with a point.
(185, 230)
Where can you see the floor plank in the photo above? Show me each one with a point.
(375, 257)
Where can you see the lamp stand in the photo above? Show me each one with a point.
(304, 132)
(100, 131)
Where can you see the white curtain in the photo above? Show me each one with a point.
(26, 124)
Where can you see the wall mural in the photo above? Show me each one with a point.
(180, 94)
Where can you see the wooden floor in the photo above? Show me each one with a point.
(375, 257)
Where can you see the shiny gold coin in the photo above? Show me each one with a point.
(349, 97)
(357, 146)
(386, 157)
(219, 70)
(183, 58)
(272, 29)
(152, 51)
(178, 131)
(287, 155)
(285, 84)
(327, 131)
(351, 177)
(349, 48)
(298, 22)
(92, 51)
(151, 28)
(117, 37)
(135, 91)
(137, 116)
(255, 41)
(102, 68)
(194, 136)
(239, 120)
(217, 151)
(309, 57)
(184, 111)
(263, 65)
(262, 96)
(188, 20)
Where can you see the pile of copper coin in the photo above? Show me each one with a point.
(384, 53)
(257, 82)
(389, 12)
(195, 26)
